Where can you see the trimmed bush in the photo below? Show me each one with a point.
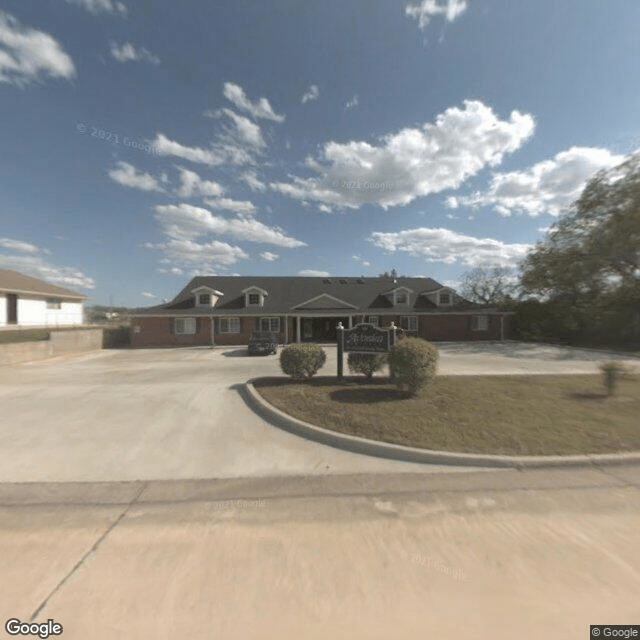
(412, 364)
(366, 363)
(612, 373)
(302, 361)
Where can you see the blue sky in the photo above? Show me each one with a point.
(144, 142)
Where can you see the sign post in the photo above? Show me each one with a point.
(363, 338)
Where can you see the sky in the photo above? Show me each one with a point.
(143, 142)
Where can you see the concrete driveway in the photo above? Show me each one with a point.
(177, 414)
(152, 414)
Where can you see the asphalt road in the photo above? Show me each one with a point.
(493, 555)
(178, 414)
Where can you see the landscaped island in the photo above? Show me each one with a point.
(502, 415)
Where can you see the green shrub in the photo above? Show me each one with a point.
(412, 364)
(302, 361)
(366, 363)
(612, 372)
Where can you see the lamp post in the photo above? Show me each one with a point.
(340, 336)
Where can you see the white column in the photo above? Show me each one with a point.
(350, 322)
(297, 328)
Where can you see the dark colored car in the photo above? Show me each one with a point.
(262, 343)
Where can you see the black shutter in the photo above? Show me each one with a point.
(197, 325)
(240, 321)
(172, 325)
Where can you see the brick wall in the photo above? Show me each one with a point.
(159, 332)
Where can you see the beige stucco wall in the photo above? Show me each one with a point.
(60, 343)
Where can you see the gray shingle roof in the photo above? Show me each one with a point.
(285, 294)
(14, 282)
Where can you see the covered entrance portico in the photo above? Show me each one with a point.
(317, 328)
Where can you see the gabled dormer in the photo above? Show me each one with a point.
(206, 296)
(400, 296)
(443, 297)
(254, 297)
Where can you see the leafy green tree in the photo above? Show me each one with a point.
(596, 246)
(588, 269)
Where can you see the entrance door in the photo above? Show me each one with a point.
(12, 308)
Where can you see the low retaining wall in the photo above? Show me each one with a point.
(60, 343)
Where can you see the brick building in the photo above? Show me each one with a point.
(225, 310)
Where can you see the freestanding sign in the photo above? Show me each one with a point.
(363, 338)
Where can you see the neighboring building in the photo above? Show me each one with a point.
(27, 301)
(225, 310)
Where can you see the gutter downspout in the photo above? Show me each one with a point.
(213, 344)
(502, 327)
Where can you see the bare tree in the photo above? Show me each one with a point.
(489, 286)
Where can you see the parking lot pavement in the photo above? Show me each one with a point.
(178, 414)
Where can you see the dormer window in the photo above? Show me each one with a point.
(401, 297)
(254, 296)
(444, 298)
(205, 296)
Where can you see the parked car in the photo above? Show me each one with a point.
(262, 343)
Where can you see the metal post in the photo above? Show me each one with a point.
(392, 340)
(298, 329)
(340, 349)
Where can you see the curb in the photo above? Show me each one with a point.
(364, 446)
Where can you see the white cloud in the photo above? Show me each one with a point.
(313, 273)
(443, 245)
(260, 109)
(427, 9)
(146, 294)
(208, 255)
(546, 187)
(126, 52)
(28, 55)
(311, 93)
(246, 130)
(38, 267)
(18, 245)
(165, 147)
(241, 207)
(101, 6)
(352, 103)
(413, 162)
(126, 174)
(268, 256)
(255, 184)
(359, 260)
(185, 221)
(192, 185)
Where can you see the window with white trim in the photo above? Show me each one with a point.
(374, 320)
(204, 298)
(401, 297)
(409, 323)
(480, 323)
(253, 298)
(445, 298)
(54, 303)
(185, 326)
(270, 324)
(229, 325)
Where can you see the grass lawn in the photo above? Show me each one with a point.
(511, 415)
